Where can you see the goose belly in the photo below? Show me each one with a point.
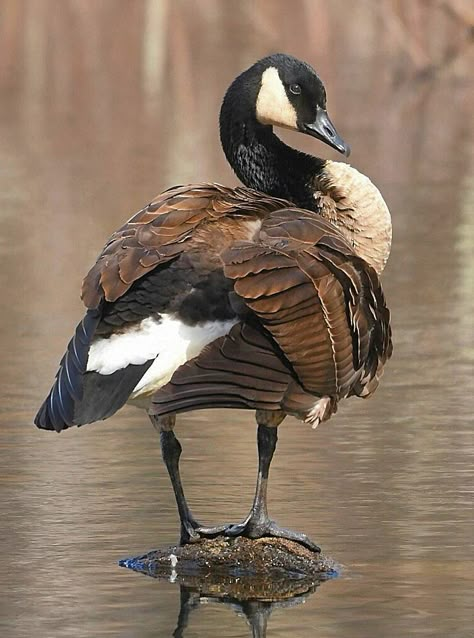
(165, 340)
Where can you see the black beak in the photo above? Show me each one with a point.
(323, 129)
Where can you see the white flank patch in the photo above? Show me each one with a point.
(136, 346)
(169, 341)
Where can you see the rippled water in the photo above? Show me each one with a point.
(105, 104)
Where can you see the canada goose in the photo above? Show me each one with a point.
(264, 297)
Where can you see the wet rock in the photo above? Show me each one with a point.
(268, 569)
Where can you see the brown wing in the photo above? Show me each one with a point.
(162, 230)
(321, 303)
(180, 219)
(243, 369)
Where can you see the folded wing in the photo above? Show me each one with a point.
(322, 304)
(147, 269)
(320, 326)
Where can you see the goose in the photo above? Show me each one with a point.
(265, 296)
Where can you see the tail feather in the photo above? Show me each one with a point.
(57, 411)
(79, 397)
(104, 394)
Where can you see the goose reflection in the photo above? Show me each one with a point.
(248, 594)
(255, 611)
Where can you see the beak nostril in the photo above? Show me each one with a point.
(323, 129)
(328, 131)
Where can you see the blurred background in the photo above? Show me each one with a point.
(105, 103)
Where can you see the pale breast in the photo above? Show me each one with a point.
(350, 201)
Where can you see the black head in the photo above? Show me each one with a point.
(286, 92)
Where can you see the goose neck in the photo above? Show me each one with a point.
(263, 162)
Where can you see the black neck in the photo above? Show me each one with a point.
(263, 162)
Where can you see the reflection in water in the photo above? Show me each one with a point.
(256, 612)
(104, 104)
(253, 577)
(249, 596)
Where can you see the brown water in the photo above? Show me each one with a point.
(104, 104)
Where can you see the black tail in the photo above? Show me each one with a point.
(79, 397)
(57, 411)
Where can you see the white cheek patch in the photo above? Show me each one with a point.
(168, 340)
(273, 105)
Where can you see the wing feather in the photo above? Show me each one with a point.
(322, 304)
(161, 231)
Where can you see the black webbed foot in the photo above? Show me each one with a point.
(193, 532)
(258, 529)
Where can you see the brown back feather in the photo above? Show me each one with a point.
(162, 230)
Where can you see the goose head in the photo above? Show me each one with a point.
(291, 95)
(284, 92)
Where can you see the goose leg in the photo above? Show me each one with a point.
(258, 523)
(191, 531)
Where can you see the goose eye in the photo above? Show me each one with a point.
(295, 89)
